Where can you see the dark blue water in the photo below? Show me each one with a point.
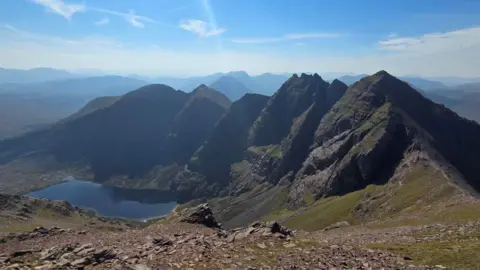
(110, 201)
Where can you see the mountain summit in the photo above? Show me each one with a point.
(154, 124)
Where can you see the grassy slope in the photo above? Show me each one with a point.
(424, 197)
(410, 201)
(457, 254)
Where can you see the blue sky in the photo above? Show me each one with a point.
(194, 37)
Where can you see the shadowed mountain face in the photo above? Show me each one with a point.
(194, 123)
(152, 125)
(296, 146)
(228, 141)
(289, 102)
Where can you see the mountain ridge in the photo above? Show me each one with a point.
(311, 140)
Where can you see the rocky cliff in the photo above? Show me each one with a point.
(380, 129)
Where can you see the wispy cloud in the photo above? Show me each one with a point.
(201, 28)
(19, 36)
(67, 10)
(103, 21)
(300, 43)
(294, 36)
(434, 42)
(392, 35)
(130, 17)
(61, 8)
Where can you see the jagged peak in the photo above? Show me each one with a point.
(382, 73)
(337, 84)
(204, 91)
(305, 78)
(201, 86)
(293, 78)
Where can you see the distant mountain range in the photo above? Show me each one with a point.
(46, 95)
(28, 106)
(463, 99)
(231, 87)
(33, 75)
(265, 84)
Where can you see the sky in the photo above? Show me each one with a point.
(428, 38)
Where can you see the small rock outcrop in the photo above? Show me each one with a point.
(37, 232)
(263, 229)
(201, 214)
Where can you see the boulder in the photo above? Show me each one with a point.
(201, 214)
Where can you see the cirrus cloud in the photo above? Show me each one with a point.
(201, 28)
(61, 8)
(433, 42)
(103, 21)
(287, 37)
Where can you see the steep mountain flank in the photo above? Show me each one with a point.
(289, 102)
(296, 146)
(152, 125)
(194, 123)
(302, 101)
(228, 141)
(381, 130)
(95, 104)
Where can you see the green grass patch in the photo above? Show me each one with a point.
(422, 187)
(326, 211)
(280, 214)
(461, 254)
(459, 213)
(273, 150)
(308, 198)
(239, 167)
(194, 160)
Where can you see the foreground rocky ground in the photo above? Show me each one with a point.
(187, 243)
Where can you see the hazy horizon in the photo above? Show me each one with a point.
(190, 38)
(326, 75)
